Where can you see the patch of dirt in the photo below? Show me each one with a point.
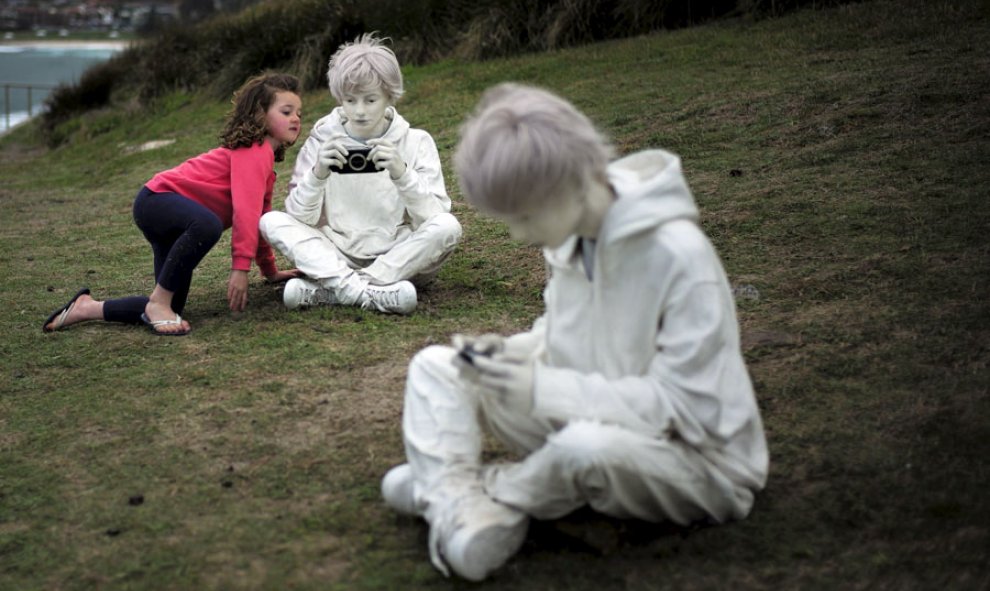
(365, 398)
(752, 339)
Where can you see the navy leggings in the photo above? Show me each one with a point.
(180, 232)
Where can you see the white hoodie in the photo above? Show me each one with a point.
(365, 215)
(652, 343)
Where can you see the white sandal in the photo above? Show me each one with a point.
(154, 324)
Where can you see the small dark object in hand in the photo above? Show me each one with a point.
(468, 354)
(356, 161)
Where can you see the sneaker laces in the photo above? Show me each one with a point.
(442, 528)
(445, 514)
(387, 297)
(317, 295)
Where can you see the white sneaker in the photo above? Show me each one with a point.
(394, 298)
(302, 293)
(476, 535)
(397, 489)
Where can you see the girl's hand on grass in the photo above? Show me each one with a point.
(237, 290)
(281, 276)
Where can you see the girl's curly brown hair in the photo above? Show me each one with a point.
(246, 122)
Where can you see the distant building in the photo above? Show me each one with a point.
(108, 15)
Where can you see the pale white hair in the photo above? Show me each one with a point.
(524, 145)
(364, 65)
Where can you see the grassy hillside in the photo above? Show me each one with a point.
(839, 160)
(297, 36)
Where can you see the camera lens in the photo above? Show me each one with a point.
(357, 161)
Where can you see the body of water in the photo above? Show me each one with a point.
(43, 64)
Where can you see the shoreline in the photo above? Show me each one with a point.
(108, 44)
(17, 119)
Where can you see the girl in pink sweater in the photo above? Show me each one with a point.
(182, 212)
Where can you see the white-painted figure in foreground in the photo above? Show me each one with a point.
(629, 395)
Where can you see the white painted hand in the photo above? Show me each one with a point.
(331, 153)
(475, 345)
(509, 381)
(386, 157)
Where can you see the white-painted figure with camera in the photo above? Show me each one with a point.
(367, 217)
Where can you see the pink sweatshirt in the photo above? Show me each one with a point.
(237, 186)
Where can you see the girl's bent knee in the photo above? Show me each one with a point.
(212, 229)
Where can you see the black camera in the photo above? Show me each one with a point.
(356, 161)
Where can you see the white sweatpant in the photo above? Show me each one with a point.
(614, 470)
(417, 258)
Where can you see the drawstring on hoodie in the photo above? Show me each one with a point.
(587, 246)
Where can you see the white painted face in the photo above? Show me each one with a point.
(365, 111)
(575, 209)
(283, 120)
(547, 226)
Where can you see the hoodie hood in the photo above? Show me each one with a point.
(650, 190)
(333, 124)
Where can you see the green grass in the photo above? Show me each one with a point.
(839, 159)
